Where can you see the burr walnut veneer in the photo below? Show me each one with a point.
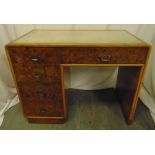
(40, 62)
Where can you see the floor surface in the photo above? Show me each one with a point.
(88, 110)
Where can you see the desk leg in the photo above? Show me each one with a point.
(128, 86)
(65, 77)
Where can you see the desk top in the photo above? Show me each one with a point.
(79, 38)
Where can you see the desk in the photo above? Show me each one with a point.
(40, 62)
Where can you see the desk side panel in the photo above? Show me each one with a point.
(128, 83)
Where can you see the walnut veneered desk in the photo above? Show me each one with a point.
(40, 62)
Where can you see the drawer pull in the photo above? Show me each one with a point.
(37, 75)
(105, 58)
(41, 94)
(35, 59)
(43, 111)
(33, 55)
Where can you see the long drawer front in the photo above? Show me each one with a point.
(105, 55)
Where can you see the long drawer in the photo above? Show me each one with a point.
(104, 55)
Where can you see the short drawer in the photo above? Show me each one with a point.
(43, 110)
(34, 55)
(40, 91)
(29, 72)
(37, 73)
(105, 55)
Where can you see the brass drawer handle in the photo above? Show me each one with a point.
(41, 94)
(37, 75)
(105, 58)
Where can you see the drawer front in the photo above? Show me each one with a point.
(37, 56)
(47, 109)
(105, 55)
(29, 73)
(37, 73)
(41, 99)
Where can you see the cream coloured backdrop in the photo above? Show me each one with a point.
(81, 78)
